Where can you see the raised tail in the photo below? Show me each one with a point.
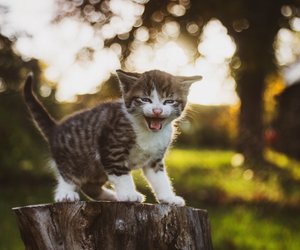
(42, 119)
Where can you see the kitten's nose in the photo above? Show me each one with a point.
(157, 111)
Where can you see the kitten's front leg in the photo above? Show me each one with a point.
(125, 188)
(161, 184)
(118, 173)
(65, 191)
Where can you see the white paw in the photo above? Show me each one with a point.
(108, 195)
(62, 196)
(134, 196)
(173, 200)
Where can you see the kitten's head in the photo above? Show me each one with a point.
(155, 98)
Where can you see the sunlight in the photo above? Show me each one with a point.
(284, 52)
(168, 57)
(77, 71)
(23, 17)
(217, 86)
(216, 45)
(288, 52)
(85, 77)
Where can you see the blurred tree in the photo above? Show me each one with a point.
(253, 24)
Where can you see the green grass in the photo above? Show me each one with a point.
(259, 228)
(207, 170)
(248, 208)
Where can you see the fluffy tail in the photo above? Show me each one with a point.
(43, 120)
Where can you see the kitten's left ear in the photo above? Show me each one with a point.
(186, 81)
(127, 79)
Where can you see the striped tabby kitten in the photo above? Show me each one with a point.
(105, 143)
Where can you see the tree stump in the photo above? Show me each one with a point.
(113, 225)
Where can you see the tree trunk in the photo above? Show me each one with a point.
(113, 225)
(256, 53)
(257, 61)
(250, 139)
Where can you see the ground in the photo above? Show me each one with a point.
(248, 208)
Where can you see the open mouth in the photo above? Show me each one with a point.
(154, 123)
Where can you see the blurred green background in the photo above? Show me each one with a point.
(238, 151)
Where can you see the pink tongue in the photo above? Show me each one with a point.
(155, 124)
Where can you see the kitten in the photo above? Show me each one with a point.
(105, 143)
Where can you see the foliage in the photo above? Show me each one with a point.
(274, 86)
(208, 126)
(19, 142)
(13, 68)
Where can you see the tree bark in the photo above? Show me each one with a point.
(113, 225)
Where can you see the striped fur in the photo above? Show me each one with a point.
(108, 141)
(44, 122)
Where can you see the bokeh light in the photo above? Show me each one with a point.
(78, 70)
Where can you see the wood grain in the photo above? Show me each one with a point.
(113, 225)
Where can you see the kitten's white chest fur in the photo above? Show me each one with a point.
(149, 146)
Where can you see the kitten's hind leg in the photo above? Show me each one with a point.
(65, 191)
(96, 192)
(108, 194)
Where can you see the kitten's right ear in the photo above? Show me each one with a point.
(127, 79)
